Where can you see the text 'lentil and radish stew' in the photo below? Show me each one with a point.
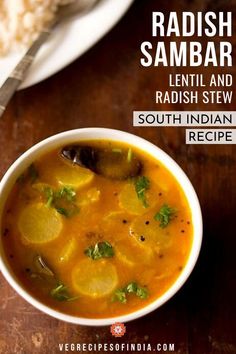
(97, 229)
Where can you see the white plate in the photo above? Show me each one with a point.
(71, 40)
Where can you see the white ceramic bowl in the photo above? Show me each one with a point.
(100, 133)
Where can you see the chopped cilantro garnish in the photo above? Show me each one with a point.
(60, 293)
(142, 183)
(62, 200)
(137, 290)
(132, 288)
(100, 250)
(67, 193)
(165, 215)
(49, 194)
(120, 295)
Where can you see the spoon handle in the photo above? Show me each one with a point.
(18, 74)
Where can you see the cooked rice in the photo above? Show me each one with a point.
(22, 20)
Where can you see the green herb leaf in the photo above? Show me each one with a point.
(120, 295)
(62, 200)
(100, 250)
(142, 184)
(89, 252)
(165, 215)
(132, 288)
(49, 194)
(142, 293)
(93, 252)
(60, 293)
(66, 192)
(137, 290)
(106, 249)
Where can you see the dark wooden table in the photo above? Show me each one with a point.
(102, 88)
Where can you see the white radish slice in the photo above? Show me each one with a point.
(73, 176)
(129, 200)
(94, 278)
(39, 224)
(132, 253)
(148, 230)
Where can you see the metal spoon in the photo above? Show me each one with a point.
(19, 73)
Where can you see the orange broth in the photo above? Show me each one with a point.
(144, 252)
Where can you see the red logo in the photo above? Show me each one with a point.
(118, 329)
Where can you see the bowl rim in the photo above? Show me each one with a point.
(81, 134)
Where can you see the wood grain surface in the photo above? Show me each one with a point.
(102, 89)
